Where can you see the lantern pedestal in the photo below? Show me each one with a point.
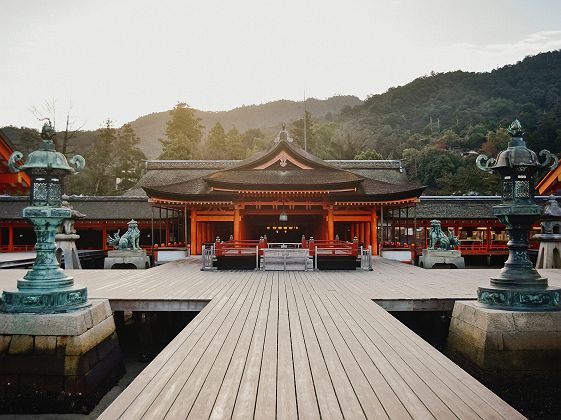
(46, 288)
(60, 363)
(505, 344)
(519, 287)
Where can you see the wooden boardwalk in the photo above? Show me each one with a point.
(296, 345)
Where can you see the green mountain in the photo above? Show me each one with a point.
(267, 117)
(465, 103)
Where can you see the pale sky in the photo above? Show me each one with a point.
(126, 58)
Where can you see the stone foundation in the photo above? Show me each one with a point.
(507, 344)
(433, 257)
(58, 362)
(127, 258)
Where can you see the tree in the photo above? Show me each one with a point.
(253, 140)
(468, 180)
(435, 163)
(369, 154)
(496, 141)
(129, 158)
(99, 162)
(234, 148)
(70, 130)
(183, 133)
(297, 132)
(215, 143)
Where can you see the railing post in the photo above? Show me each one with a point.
(257, 257)
(370, 258)
(316, 259)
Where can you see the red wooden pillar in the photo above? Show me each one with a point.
(104, 237)
(193, 231)
(362, 235)
(199, 238)
(167, 232)
(10, 238)
(367, 232)
(374, 232)
(237, 224)
(352, 231)
(330, 225)
(488, 238)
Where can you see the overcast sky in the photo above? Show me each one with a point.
(123, 59)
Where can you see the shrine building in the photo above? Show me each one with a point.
(283, 193)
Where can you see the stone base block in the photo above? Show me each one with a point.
(127, 258)
(506, 343)
(58, 362)
(433, 257)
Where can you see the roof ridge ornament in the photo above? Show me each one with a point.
(283, 135)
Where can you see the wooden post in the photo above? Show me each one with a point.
(374, 232)
(185, 226)
(330, 224)
(10, 238)
(104, 237)
(488, 238)
(237, 221)
(367, 232)
(193, 231)
(362, 235)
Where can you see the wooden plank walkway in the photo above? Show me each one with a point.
(300, 345)
(296, 345)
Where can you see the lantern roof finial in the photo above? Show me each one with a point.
(515, 129)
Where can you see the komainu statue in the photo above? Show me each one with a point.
(438, 239)
(129, 240)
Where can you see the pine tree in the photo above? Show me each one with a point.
(216, 141)
(128, 158)
(100, 161)
(234, 147)
(183, 133)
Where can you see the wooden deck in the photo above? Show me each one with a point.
(296, 345)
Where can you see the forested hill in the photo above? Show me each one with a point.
(439, 122)
(266, 117)
(471, 102)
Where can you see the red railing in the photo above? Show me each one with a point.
(327, 247)
(239, 247)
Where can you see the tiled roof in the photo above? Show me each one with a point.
(172, 179)
(321, 178)
(95, 208)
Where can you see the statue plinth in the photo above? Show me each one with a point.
(127, 258)
(434, 257)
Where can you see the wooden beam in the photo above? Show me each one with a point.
(351, 218)
(202, 218)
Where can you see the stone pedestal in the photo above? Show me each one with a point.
(67, 244)
(432, 257)
(127, 258)
(506, 344)
(58, 362)
(549, 255)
